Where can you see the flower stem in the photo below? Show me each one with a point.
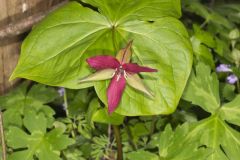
(4, 155)
(116, 131)
(204, 23)
(65, 101)
(109, 135)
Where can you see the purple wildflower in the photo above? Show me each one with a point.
(232, 79)
(224, 68)
(61, 91)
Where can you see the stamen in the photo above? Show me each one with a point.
(118, 77)
(125, 74)
(114, 73)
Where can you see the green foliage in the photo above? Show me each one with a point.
(142, 155)
(81, 150)
(29, 124)
(38, 143)
(120, 11)
(231, 111)
(203, 89)
(19, 101)
(40, 124)
(101, 147)
(170, 143)
(210, 15)
(227, 91)
(102, 116)
(214, 131)
(90, 33)
(78, 101)
(201, 40)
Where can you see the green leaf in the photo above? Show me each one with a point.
(203, 89)
(231, 111)
(222, 48)
(42, 93)
(231, 11)
(214, 133)
(19, 101)
(12, 117)
(235, 55)
(231, 149)
(45, 146)
(84, 128)
(62, 61)
(81, 150)
(141, 155)
(16, 95)
(234, 34)
(102, 116)
(196, 7)
(119, 11)
(167, 84)
(227, 91)
(204, 36)
(92, 108)
(170, 143)
(201, 40)
(37, 95)
(74, 154)
(189, 149)
(31, 119)
(220, 20)
(202, 53)
(207, 13)
(78, 101)
(99, 147)
(139, 129)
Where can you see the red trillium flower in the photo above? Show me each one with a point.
(121, 71)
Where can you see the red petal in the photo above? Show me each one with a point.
(103, 62)
(134, 68)
(115, 91)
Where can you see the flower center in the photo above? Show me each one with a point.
(120, 72)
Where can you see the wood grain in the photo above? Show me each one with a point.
(10, 11)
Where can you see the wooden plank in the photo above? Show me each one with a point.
(1, 73)
(10, 11)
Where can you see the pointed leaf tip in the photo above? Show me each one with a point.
(12, 77)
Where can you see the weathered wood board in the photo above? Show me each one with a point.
(11, 11)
